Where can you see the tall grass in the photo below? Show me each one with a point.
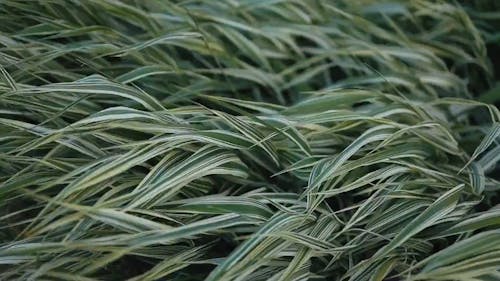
(248, 140)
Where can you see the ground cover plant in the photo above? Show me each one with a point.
(249, 140)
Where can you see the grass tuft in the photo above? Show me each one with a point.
(249, 140)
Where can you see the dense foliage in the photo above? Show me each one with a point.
(249, 140)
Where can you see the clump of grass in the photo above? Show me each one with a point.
(246, 140)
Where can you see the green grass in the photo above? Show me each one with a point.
(249, 140)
